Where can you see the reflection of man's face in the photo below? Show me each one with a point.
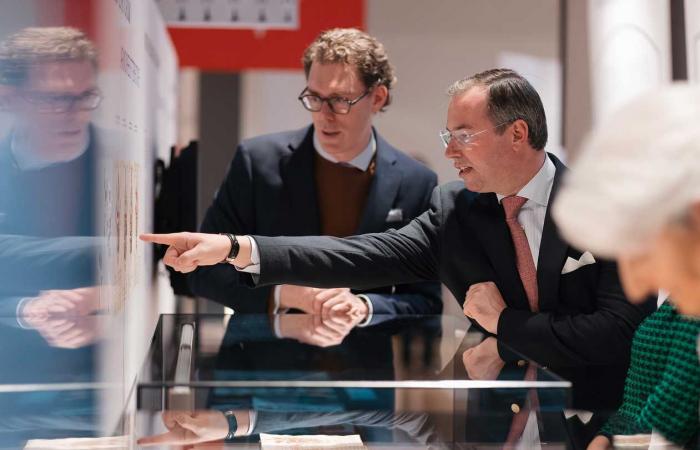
(48, 111)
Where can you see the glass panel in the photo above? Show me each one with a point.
(411, 351)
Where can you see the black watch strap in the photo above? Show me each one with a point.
(235, 247)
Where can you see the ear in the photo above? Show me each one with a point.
(379, 94)
(521, 133)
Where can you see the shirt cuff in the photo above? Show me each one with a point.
(276, 326)
(19, 315)
(370, 310)
(253, 419)
(254, 266)
(276, 299)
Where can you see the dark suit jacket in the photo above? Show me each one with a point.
(47, 226)
(54, 201)
(270, 189)
(463, 239)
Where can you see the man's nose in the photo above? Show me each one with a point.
(451, 151)
(327, 111)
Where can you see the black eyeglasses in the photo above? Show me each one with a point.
(49, 103)
(339, 105)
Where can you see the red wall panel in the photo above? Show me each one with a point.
(234, 50)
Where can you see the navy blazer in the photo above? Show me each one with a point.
(463, 239)
(270, 189)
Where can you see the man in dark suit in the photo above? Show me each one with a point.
(336, 177)
(492, 243)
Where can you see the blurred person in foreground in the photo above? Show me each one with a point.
(641, 173)
(48, 234)
(48, 85)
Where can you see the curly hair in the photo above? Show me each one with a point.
(354, 47)
(42, 44)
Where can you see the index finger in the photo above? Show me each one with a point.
(166, 239)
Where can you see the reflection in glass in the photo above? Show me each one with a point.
(49, 298)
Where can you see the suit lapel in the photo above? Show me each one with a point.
(297, 172)
(487, 221)
(552, 249)
(383, 190)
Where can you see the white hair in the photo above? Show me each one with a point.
(635, 174)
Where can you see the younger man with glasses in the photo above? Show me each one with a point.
(336, 177)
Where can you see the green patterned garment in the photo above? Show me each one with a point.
(662, 389)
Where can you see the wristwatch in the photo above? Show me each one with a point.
(235, 247)
(232, 424)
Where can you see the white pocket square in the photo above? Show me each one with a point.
(572, 264)
(395, 215)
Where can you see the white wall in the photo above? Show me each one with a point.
(433, 44)
(630, 43)
(269, 101)
(692, 30)
(138, 122)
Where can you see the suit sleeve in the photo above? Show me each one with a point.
(232, 211)
(602, 336)
(407, 255)
(415, 298)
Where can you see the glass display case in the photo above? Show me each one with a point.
(406, 382)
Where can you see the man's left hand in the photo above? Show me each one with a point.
(483, 361)
(484, 304)
(341, 303)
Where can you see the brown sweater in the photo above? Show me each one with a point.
(342, 193)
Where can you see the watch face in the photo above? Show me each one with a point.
(235, 247)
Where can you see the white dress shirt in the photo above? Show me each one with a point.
(532, 214)
(360, 161)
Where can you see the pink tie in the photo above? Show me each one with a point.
(523, 256)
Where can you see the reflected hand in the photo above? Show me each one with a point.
(484, 304)
(63, 317)
(315, 330)
(483, 362)
(189, 427)
(327, 303)
(187, 251)
(63, 303)
(69, 332)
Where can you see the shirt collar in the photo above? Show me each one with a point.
(360, 161)
(27, 160)
(537, 190)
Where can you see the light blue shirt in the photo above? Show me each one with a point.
(360, 161)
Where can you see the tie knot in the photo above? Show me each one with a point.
(512, 205)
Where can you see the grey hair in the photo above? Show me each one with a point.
(635, 174)
(34, 45)
(511, 97)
